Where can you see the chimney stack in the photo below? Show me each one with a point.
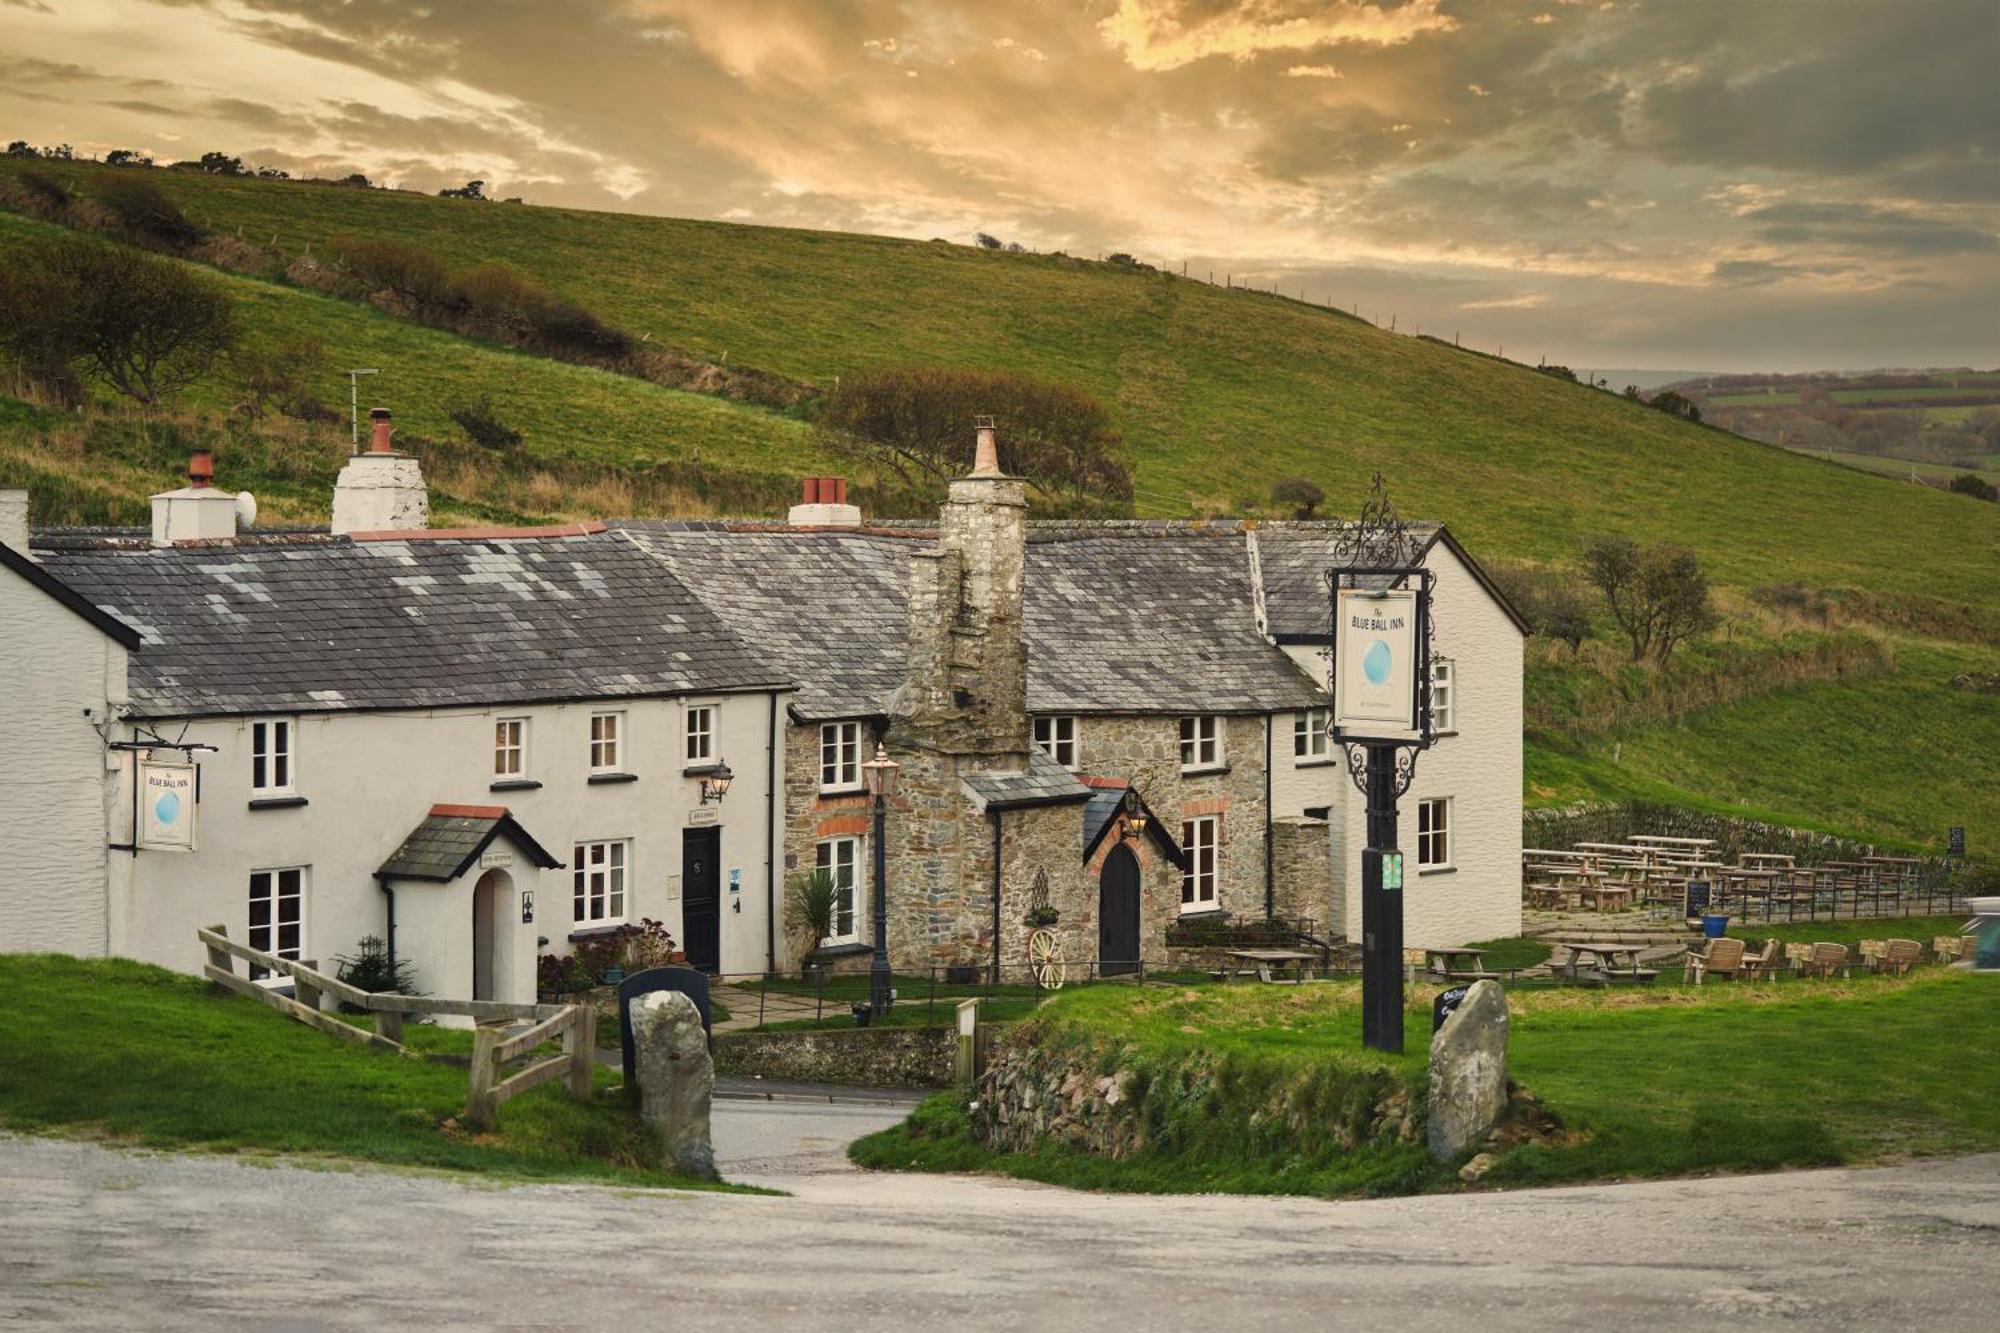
(197, 511)
(380, 490)
(823, 504)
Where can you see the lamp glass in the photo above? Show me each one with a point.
(880, 773)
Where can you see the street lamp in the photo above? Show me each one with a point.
(880, 773)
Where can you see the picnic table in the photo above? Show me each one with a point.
(1613, 959)
(1266, 961)
(1452, 963)
(1782, 859)
(1662, 840)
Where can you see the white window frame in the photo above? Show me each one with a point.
(1444, 684)
(1201, 840)
(274, 756)
(1434, 834)
(601, 881)
(699, 726)
(828, 854)
(510, 752)
(1310, 742)
(1055, 736)
(607, 741)
(841, 741)
(1201, 743)
(269, 937)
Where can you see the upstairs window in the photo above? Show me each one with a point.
(1444, 689)
(1198, 840)
(510, 747)
(1056, 738)
(1201, 743)
(1434, 832)
(271, 757)
(840, 756)
(701, 735)
(1309, 738)
(607, 734)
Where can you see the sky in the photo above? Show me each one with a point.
(1745, 185)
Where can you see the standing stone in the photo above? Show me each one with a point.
(1469, 1072)
(676, 1078)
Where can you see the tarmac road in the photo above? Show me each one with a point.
(97, 1237)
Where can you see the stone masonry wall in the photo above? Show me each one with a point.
(868, 1057)
(1302, 871)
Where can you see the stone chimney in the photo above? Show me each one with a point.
(14, 522)
(823, 504)
(197, 511)
(966, 692)
(380, 490)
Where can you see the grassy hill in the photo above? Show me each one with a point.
(1219, 393)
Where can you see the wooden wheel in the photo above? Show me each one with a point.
(1045, 960)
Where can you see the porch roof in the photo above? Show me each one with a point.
(448, 840)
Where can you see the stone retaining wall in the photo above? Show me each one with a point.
(868, 1057)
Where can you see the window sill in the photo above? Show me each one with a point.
(277, 802)
(595, 932)
(1328, 762)
(1205, 771)
(514, 784)
(850, 950)
(1448, 731)
(856, 790)
(1437, 870)
(1200, 913)
(702, 769)
(603, 779)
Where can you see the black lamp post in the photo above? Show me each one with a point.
(880, 773)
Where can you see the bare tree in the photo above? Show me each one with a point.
(1658, 595)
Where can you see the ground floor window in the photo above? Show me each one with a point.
(277, 914)
(840, 858)
(1198, 884)
(599, 880)
(1434, 832)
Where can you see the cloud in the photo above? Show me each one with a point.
(1156, 35)
(1527, 301)
(1312, 72)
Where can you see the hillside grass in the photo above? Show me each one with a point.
(121, 1051)
(1517, 462)
(1813, 1074)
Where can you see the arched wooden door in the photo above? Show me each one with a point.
(1118, 913)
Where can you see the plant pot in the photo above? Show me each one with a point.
(678, 956)
(814, 974)
(1714, 925)
(963, 974)
(612, 976)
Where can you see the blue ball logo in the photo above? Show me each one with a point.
(168, 808)
(1375, 665)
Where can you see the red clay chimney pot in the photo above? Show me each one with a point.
(378, 442)
(810, 493)
(201, 469)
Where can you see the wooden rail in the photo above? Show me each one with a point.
(492, 1049)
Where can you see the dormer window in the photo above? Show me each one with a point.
(271, 758)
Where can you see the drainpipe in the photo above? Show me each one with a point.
(1270, 891)
(382, 883)
(770, 842)
(994, 815)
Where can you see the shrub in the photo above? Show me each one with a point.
(483, 426)
(1303, 497)
(146, 214)
(1658, 595)
(1972, 484)
(987, 242)
(46, 196)
(408, 271)
(814, 898)
(370, 968)
(277, 374)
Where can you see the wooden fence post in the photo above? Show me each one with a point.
(480, 1110)
(963, 1066)
(581, 1043)
(304, 991)
(219, 958)
(389, 1025)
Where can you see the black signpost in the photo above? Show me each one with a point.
(1377, 556)
(1955, 843)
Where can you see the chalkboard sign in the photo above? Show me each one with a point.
(1697, 898)
(1957, 842)
(1444, 1005)
(686, 980)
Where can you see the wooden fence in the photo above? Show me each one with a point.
(492, 1049)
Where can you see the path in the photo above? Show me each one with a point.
(98, 1237)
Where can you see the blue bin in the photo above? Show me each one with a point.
(1714, 926)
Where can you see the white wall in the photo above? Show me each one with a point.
(369, 778)
(55, 790)
(1478, 766)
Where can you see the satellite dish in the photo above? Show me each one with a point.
(246, 510)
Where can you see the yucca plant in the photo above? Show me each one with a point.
(814, 898)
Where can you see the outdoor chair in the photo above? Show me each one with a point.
(1724, 957)
(1799, 957)
(1764, 962)
(1900, 956)
(1948, 948)
(1827, 958)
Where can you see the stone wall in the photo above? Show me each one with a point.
(1302, 871)
(865, 1057)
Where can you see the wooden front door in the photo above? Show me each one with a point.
(1118, 913)
(701, 897)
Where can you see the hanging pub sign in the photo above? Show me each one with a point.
(166, 806)
(1375, 649)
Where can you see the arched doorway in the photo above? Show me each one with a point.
(494, 889)
(1118, 913)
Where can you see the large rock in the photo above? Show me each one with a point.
(676, 1078)
(1469, 1072)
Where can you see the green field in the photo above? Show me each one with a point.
(1900, 468)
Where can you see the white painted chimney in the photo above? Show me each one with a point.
(380, 490)
(14, 521)
(823, 504)
(197, 511)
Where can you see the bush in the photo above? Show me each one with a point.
(405, 270)
(46, 196)
(1972, 484)
(483, 426)
(1552, 601)
(1303, 497)
(370, 968)
(1658, 595)
(146, 214)
(277, 374)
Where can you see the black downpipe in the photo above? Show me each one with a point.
(1270, 815)
(770, 840)
(995, 816)
(382, 883)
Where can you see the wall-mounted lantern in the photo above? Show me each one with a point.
(1135, 815)
(715, 783)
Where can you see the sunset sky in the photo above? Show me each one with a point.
(1755, 184)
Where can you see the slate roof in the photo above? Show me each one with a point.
(316, 623)
(1122, 617)
(1106, 796)
(451, 837)
(1045, 783)
(1294, 558)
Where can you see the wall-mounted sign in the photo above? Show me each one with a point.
(673, 888)
(1955, 841)
(702, 815)
(527, 907)
(166, 806)
(1375, 662)
(1392, 872)
(495, 859)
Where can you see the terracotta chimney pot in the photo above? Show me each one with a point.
(378, 440)
(986, 458)
(201, 469)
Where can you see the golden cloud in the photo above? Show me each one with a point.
(1153, 36)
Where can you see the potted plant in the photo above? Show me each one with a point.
(814, 900)
(1042, 916)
